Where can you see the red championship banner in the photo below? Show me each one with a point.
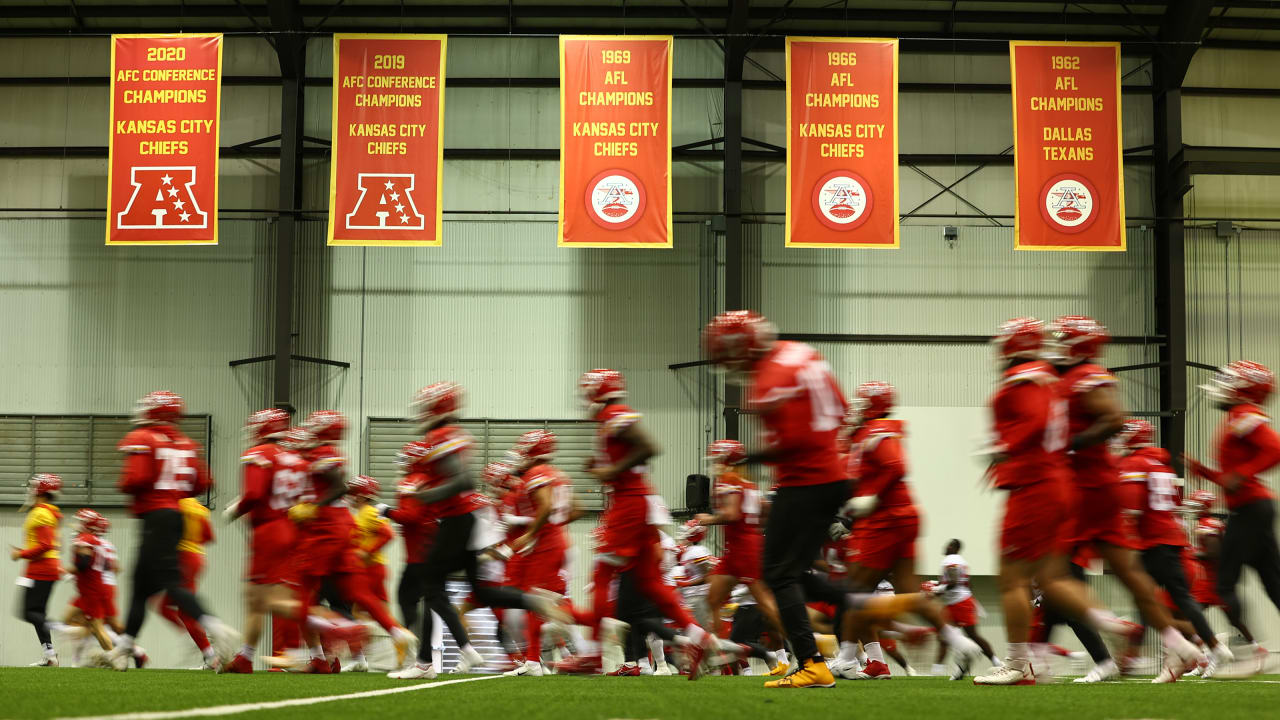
(1069, 169)
(162, 182)
(388, 140)
(615, 141)
(842, 142)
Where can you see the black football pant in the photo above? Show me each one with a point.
(793, 538)
(409, 594)
(1164, 564)
(748, 626)
(1250, 539)
(157, 571)
(449, 554)
(1088, 637)
(35, 600)
(642, 615)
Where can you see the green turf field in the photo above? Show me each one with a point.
(68, 692)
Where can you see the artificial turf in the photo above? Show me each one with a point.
(69, 692)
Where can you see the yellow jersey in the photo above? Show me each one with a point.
(372, 532)
(196, 528)
(40, 542)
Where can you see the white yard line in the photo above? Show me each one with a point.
(276, 704)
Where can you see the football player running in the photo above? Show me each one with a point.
(94, 559)
(40, 550)
(373, 532)
(197, 531)
(962, 610)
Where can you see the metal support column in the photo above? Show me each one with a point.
(735, 54)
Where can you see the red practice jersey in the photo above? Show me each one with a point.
(274, 481)
(417, 524)
(449, 441)
(1030, 426)
(877, 466)
(92, 582)
(1092, 466)
(1247, 446)
(613, 420)
(536, 478)
(508, 507)
(161, 466)
(746, 531)
(802, 408)
(1148, 487)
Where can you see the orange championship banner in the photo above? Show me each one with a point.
(162, 167)
(615, 141)
(1068, 153)
(842, 142)
(387, 152)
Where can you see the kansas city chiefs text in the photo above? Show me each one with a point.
(158, 127)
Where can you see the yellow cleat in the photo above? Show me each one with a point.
(779, 670)
(813, 675)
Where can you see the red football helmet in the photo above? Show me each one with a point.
(871, 400)
(736, 339)
(1137, 433)
(364, 486)
(1241, 381)
(92, 521)
(1209, 527)
(297, 438)
(160, 406)
(1075, 338)
(1201, 500)
(691, 533)
(497, 475)
(436, 402)
(600, 385)
(1021, 337)
(326, 425)
(266, 424)
(536, 445)
(727, 452)
(410, 458)
(45, 483)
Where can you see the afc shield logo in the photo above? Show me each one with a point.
(615, 199)
(162, 199)
(842, 200)
(1067, 203)
(385, 203)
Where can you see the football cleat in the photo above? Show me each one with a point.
(318, 666)
(225, 639)
(847, 669)
(779, 670)
(470, 659)
(356, 666)
(626, 670)
(528, 668)
(1007, 675)
(814, 674)
(1105, 671)
(912, 672)
(239, 665)
(579, 665)
(46, 661)
(118, 658)
(875, 670)
(416, 671)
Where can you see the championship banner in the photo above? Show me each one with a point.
(388, 140)
(615, 141)
(1068, 157)
(162, 172)
(842, 143)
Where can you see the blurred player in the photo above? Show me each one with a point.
(161, 467)
(1246, 448)
(696, 562)
(418, 529)
(738, 508)
(962, 609)
(197, 532)
(1147, 484)
(791, 387)
(449, 491)
(545, 495)
(93, 557)
(40, 545)
(1027, 461)
(373, 532)
(631, 518)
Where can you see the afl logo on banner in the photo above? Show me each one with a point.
(1067, 202)
(615, 199)
(842, 200)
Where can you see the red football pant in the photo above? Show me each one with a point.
(648, 580)
(191, 564)
(354, 589)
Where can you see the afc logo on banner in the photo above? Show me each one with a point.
(162, 200)
(385, 203)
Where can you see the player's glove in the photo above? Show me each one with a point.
(860, 506)
(302, 512)
(232, 511)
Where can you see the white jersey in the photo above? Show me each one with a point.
(669, 558)
(741, 596)
(697, 561)
(884, 588)
(959, 590)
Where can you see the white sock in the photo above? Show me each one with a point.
(1019, 655)
(848, 650)
(1106, 621)
(782, 655)
(951, 636)
(995, 661)
(770, 659)
(861, 656)
(437, 656)
(644, 663)
(49, 651)
(873, 652)
(656, 650)
(317, 653)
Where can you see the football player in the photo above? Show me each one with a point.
(631, 518)
(373, 532)
(1028, 462)
(93, 558)
(161, 467)
(1246, 448)
(197, 532)
(40, 550)
(449, 491)
(962, 609)
(791, 388)
(696, 563)
(418, 529)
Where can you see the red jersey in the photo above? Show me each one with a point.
(877, 466)
(1246, 445)
(161, 466)
(1093, 466)
(1030, 426)
(321, 460)
(615, 418)
(802, 408)
(417, 524)
(1148, 487)
(746, 531)
(536, 478)
(92, 582)
(446, 441)
(274, 481)
(517, 522)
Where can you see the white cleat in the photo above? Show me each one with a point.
(361, 665)
(911, 672)
(470, 660)
(416, 671)
(1219, 657)
(118, 658)
(847, 669)
(225, 639)
(1007, 675)
(1178, 661)
(528, 668)
(1106, 671)
(46, 661)
(662, 669)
